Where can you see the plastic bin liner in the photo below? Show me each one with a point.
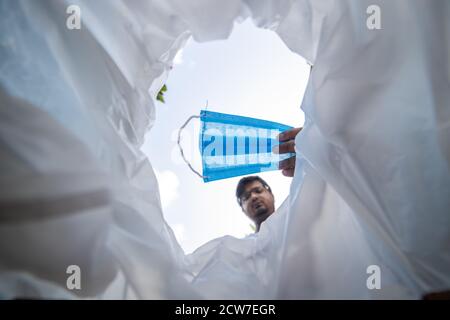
(372, 180)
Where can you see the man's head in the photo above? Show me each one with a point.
(255, 198)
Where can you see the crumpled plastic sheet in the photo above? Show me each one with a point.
(372, 181)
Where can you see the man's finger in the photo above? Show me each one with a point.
(288, 172)
(287, 163)
(289, 134)
(285, 147)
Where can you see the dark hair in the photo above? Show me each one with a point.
(245, 181)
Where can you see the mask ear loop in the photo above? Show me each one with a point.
(181, 149)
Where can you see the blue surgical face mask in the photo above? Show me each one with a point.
(233, 146)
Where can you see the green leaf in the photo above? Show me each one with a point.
(160, 96)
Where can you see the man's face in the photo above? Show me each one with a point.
(257, 202)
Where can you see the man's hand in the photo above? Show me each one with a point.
(287, 145)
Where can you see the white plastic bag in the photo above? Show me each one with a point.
(372, 180)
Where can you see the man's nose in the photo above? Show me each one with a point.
(253, 196)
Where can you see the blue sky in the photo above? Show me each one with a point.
(252, 73)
